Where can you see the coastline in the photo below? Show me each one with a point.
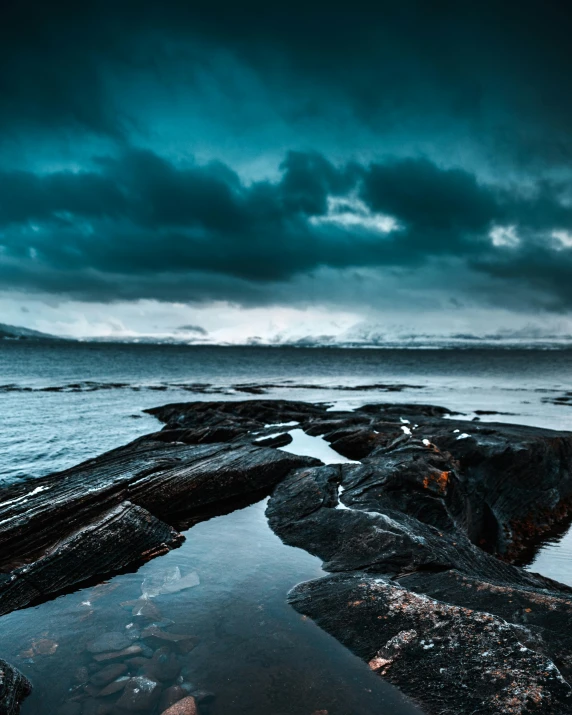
(426, 548)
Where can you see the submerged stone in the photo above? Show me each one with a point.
(110, 641)
(186, 706)
(140, 695)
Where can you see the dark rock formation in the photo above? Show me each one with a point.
(14, 687)
(372, 533)
(121, 537)
(455, 627)
(425, 534)
(172, 481)
(451, 660)
(518, 480)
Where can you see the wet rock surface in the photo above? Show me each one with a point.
(455, 627)
(119, 510)
(423, 535)
(14, 687)
(450, 659)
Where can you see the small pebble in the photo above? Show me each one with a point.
(186, 706)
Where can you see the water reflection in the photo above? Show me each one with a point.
(223, 595)
(554, 557)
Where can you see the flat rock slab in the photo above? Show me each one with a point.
(482, 663)
(123, 536)
(110, 641)
(117, 511)
(172, 481)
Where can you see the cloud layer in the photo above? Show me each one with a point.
(139, 226)
(265, 155)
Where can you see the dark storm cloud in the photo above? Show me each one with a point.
(141, 226)
(478, 89)
(444, 210)
(499, 70)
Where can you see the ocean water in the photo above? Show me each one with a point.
(63, 403)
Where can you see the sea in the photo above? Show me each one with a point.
(64, 402)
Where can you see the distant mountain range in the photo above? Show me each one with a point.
(14, 332)
(357, 337)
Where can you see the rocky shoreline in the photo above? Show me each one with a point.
(422, 534)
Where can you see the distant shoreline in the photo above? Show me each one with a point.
(540, 346)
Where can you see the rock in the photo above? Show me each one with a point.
(132, 632)
(14, 689)
(507, 503)
(107, 674)
(233, 470)
(91, 690)
(137, 663)
(358, 443)
(202, 696)
(409, 477)
(125, 534)
(145, 608)
(110, 641)
(40, 646)
(131, 650)
(119, 510)
(186, 706)
(163, 666)
(253, 414)
(154, 631)
(170, 696)
(482, 663)
(544, 619)
(141, 694)
(146, 651)
(388, 542)
(277, 440)
(115, 687)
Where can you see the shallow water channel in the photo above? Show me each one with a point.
(224, 590)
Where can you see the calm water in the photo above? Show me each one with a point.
(64, 403)
(254, 652)
(102, 389)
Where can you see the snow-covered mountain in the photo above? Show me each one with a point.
(14, 332)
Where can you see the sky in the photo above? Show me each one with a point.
(234, 172)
